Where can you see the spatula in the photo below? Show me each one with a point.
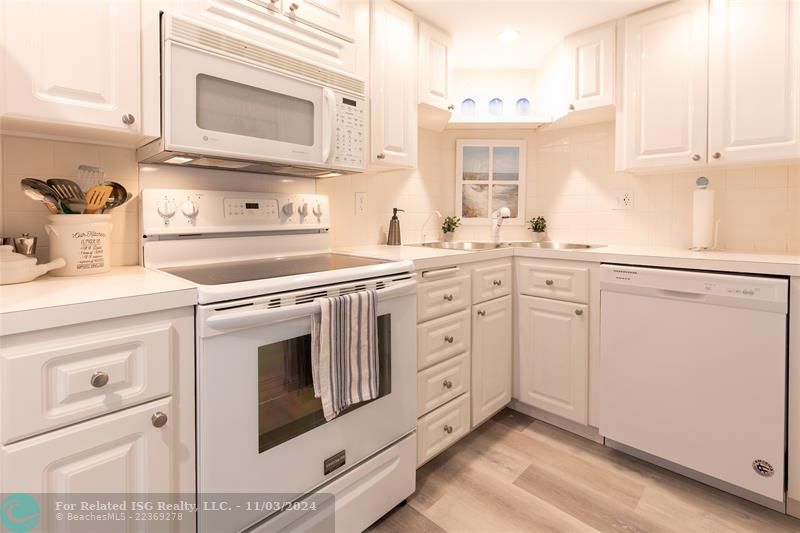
(96, 198)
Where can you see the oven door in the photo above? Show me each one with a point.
(260, 428)
(217, 106)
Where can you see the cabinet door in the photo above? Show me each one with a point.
(491, 357)
(754, 81)
(117, 453)
(665, 87)
(394, 85)
(331, 16)
(590, 60)
(73, 63)
(435, 68)
(553, 356)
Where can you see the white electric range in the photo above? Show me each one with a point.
(259, 260)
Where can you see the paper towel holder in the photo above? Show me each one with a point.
(702, 183)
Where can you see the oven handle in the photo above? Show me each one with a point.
(246, 319)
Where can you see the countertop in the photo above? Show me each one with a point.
(51, 301)
(723, 261)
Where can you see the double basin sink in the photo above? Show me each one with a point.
(481, 245)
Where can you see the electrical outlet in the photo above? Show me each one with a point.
(624, 200)
(361, 203)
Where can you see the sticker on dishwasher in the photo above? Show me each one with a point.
(763, 468)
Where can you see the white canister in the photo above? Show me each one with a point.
(84, 241)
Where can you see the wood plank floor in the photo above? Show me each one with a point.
(515, 473)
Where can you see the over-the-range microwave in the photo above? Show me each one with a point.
(234, 104)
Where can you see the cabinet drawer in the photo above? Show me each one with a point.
(491, 281)
(442, 338)
(440, 428)
(442, 297)
(558, 281)
(61, 376)
(441, 383)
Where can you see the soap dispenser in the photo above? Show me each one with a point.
(394, 229)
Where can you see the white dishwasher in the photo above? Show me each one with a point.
(693, 372)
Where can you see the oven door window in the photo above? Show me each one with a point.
(231, 107)
(286, 404)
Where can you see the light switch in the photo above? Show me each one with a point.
(361, 203)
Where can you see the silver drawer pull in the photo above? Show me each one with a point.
(447, 384)
(448, 297)
(579, 312)
(448, 339)
(481, 312)
(99, 379)
(497, 282)
(448, 428)
(159, 419)
(549, 282)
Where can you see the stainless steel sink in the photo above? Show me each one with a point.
(553, 245)
(465, 245)
(477, 245)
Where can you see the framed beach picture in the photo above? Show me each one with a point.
(490, 174)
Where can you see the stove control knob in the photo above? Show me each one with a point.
(317, 210)
(288, 209)
(303, 210)
(166, 209)
(190, 209)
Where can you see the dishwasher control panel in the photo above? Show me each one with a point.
(696, 285)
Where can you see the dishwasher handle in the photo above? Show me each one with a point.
(684, 295)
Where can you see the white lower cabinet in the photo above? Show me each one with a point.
(553, 356)
(117, 453)
(440, 428)
(491, 357)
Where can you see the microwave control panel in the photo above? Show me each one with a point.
(350, 132)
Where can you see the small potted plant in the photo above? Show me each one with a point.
(449, 225)
(538, 226)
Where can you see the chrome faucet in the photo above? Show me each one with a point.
(497, 221)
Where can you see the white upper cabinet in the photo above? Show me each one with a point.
(321, 31)
(393, 87)
(662, 120)
(71, 64)
(590, 67)
(552, 95)
(754, 81)
(331, 16)
(435, 76)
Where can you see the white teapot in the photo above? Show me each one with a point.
(19, 268)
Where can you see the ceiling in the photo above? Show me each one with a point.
(476, 24)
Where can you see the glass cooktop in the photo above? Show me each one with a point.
(273, 267)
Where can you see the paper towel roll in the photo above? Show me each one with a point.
(703, 219)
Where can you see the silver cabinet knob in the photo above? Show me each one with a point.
(572, 107)
(497, 283)
(448, 428)
(448, 339)
(99, 379)
(579, 312)
(381, 156)
(716, 155)
(549, 282)
(451, 107)
(294, 6)
(447, 384)
(274, 2)
(128, 119)
(448, 297)
(159, 419)
(696, 157)
(481, 312)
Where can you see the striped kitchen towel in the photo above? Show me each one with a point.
(344, 351)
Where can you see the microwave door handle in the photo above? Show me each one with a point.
(328, 124)
(244, 319)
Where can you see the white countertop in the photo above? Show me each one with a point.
(753, 263)
(51, 301)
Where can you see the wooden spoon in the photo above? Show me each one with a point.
(96, 198)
